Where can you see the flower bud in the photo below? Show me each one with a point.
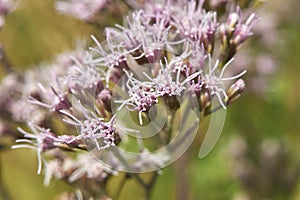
(243, 31)
(205, 102)
(240, 35)
(223, 35)
(232, 20)
(63, 103)
(104, 99)
(103, 102)
(234, 91)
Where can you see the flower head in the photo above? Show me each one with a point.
(82, 9)
(214, 83)
(91, 168)
(41, 139)
(94, 130)
(235, 31)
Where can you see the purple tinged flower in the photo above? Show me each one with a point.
(155, 40)
(141, 96)
(139, 39)
(87, 75)
(130, 35)
(112, 57)
(236, 87)
(146, 159)
(104, 100)
(91, 168)
(10, 88)
(151, 35)
(217, 3)
(197, 57)
(6, 6)
(70, 140)
(158, 10)
(223, 35)
(95, 129)
(14, 97)
(197, 86)
(73, 169)
(144, 94)
(82, 9)
(232, 21)
(241, 34)
(181, 63)
(21, 111)
(234, 31)
(167, 85)
(215, 83)
(243, 30)
(41, 139)
(16, 89)
(53, 168)
(194, 23)
(234, 91)
(59, 102)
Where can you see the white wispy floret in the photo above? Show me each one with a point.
(144, 94)
(215, 82)
(95, 129)
(89, 166)
(81, 9)
(40, 139)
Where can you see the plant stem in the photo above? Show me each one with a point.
(5, 61)
(121, 186)
(3, 193)
(149, 186)
(182, 177)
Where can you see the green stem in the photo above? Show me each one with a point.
(121, 186)
(3, 193)
(134, 175)
(5, 61)
(149, 186)
(182, 177)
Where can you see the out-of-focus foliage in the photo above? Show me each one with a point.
(257, 155)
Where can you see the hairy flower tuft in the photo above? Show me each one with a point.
(82, 9)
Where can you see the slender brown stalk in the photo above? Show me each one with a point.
(182, 187)
(5, 61)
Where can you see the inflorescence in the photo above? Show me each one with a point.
(180, 47)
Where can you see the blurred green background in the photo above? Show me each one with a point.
(35, 33)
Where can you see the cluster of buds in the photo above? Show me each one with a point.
(165, 52)
(175, 55)
(234, 32)
(168, 45)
